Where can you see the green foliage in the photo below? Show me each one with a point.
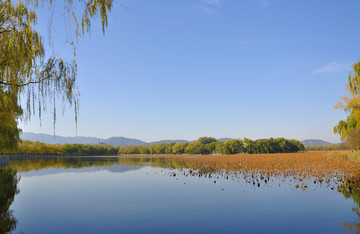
(24, 68)
(206, 140)
(9, 113)
(323, 148)
(349, 129)
(179, 148)
(38, 148)
(209, 145)
(210, 148)
(194, 148)
(235, 146)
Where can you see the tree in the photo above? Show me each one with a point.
(234, 146)
(170, 148)
(210, 148)
(9, 113)
(206, 140)
(25, 69)
(351, 105)
(179, 148)
(194, 148)
(249, 146)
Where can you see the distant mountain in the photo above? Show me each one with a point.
(224, 139)
(316, 142)
(123, 141)
(114, 141)
(169, 141)
(51, 139)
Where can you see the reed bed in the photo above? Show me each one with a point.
(307, 164)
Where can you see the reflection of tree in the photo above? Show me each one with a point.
(8, 189)
(351, 189)
(80, 162)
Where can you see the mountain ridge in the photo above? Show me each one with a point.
(114, 141)
(317, 142)
(124, 141)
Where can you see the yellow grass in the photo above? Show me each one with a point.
(316, 164)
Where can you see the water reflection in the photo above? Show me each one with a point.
(27, 165)
(351, 189)
(8, 190)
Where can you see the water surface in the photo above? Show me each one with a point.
(111, 195)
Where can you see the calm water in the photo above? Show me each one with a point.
(97, 195)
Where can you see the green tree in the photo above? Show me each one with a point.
(160, 148)
(25, 69)
(206, 140)
(9, 113)
(351, 105)
(210, 148)
(179, 148)
(194, 148)
(143, 149)
(249, 146)
(170, 148)
(234, 146)
(219, 147)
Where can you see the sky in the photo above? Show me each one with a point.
(183, 69)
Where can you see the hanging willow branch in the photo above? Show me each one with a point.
(24, 68)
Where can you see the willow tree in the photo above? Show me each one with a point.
(349, 129)
(25, 69)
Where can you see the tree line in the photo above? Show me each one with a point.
(209, 145)
(203, 146)
(325, 148)
(38, 148)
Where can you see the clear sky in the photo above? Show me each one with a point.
(182, 69)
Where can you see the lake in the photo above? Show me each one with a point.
(122, 195)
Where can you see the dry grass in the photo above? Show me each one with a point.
(307, 164)
(156, 156)
(345, 155)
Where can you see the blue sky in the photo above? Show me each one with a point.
(182, 69)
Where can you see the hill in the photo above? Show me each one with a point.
(118, 141)
(316, 142)
(122, 141)
(114, 141)
(169, 141)
(51, 139)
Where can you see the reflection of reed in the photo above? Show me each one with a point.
(351, 189)
(8, 190)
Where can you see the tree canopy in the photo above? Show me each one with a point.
(349, 129)
(25, 69)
